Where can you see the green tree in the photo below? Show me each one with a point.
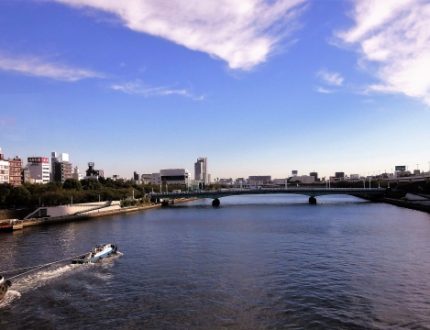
(18, 197)
(72, 184)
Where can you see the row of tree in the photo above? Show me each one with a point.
(72, 191)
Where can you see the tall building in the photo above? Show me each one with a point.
(15, 169)
(201, 170)
(61, 168)
(38, 170)
(4, 169)
(315, 175)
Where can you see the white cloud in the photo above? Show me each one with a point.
(34, 66)
(139, 88)
(323, 90)
(331, 78)
(241, 32)
(394, 36)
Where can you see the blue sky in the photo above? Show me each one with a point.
(258, 87)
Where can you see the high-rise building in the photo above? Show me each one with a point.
(315, 175)
(38, 170)
(61, 168)
(4, 169)
(201, 170)
(15, 169)
(136, 176)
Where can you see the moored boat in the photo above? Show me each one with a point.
(4, 286)
(6, 226)
(98, 253)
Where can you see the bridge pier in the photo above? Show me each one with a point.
(312, 200)
(216, 202)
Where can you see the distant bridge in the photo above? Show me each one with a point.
(365, 193)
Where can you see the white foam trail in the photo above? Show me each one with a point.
(40, 278)
(10, 296)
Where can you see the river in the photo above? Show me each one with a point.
(257, 262)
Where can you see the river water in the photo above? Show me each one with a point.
(257, 262)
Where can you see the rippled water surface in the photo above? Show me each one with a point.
(258, 262)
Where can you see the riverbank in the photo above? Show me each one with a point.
(411, 201)
(20, 224)
(413, 205)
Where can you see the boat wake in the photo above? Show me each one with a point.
(11, 295)
(39, 278)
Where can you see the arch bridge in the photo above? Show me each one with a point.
(365, 193)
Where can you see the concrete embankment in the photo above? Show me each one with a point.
(93, 214)
(408, 204)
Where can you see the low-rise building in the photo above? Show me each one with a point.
(226, 181)
(156, 178)
(15, 171)
(175, 176)
(146, 178)
(304, 179)
(258, 180)
(92, 173)
(4, 169)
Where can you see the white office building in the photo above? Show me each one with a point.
(4, 169)
(38, 170)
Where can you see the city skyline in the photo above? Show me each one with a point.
(313, 86)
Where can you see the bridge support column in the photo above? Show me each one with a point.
(312, 200)
(216, 202)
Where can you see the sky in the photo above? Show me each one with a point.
(258, 87)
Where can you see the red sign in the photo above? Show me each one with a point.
(38, 160)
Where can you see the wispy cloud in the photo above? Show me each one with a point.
(330, 78)
(241, 32)
(139, 88)
(34, 66)
(394, 38)
(323, 90)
